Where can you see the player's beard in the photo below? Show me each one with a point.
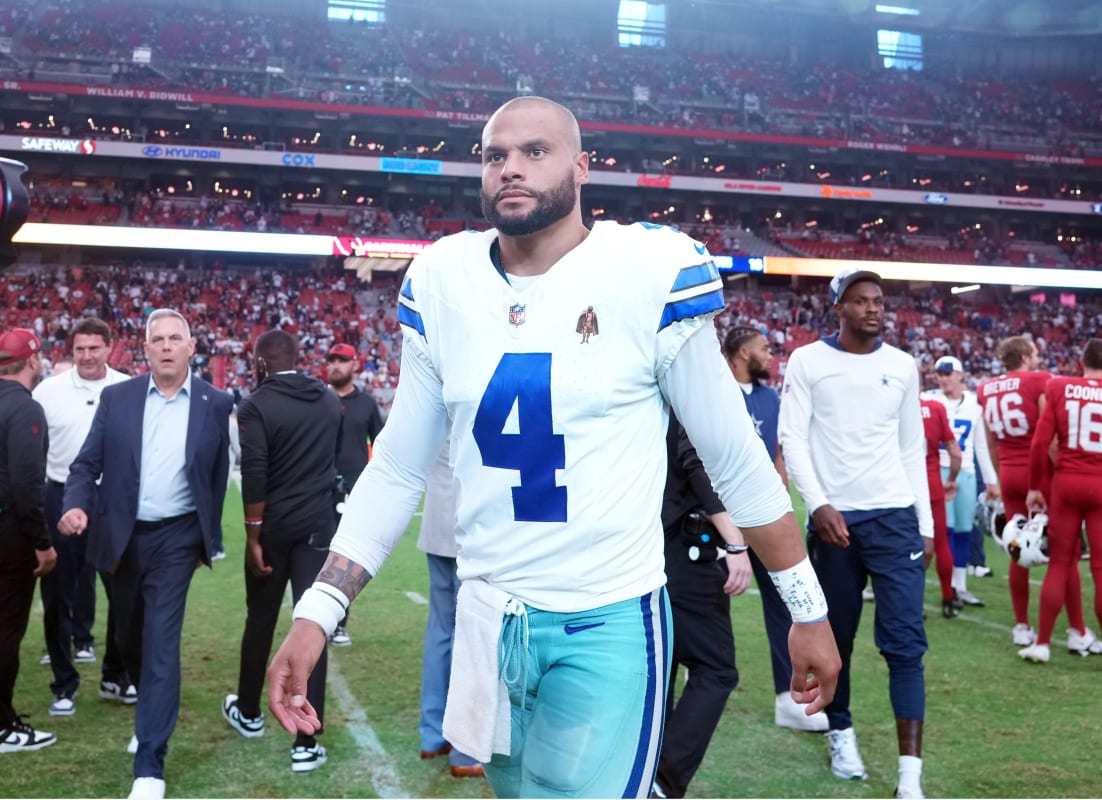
(551, 206)
(340, 382)
(757, 370)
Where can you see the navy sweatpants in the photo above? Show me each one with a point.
(885, 546)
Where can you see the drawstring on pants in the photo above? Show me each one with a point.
(512, 649)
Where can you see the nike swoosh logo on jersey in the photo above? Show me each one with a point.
(700, 248)
(916, 556)
(572, 629)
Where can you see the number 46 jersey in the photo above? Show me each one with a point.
(552, 391)
(1011, 410)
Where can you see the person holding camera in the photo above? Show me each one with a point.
(707, 563)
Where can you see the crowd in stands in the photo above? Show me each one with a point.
(433, 68)
(227, 308)
(230, 307)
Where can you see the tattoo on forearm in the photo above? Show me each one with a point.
(346, 575)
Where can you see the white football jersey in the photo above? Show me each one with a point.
(558, 422)
(966, 420)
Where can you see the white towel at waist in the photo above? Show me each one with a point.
(477, 718)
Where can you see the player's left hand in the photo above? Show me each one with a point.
(993, 492)
(815, 664)
(739, 573)
(1035, 501)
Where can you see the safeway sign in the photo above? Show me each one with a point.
(42, 144)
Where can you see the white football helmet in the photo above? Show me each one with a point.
(1025, 539)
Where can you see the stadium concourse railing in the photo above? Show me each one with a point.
(395, 253)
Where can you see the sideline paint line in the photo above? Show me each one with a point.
(417, 598)
(384, 777)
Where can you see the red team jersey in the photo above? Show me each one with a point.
(1009, 404)
(1073, 414)
(935, 422)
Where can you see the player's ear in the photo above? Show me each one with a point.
(581, 168)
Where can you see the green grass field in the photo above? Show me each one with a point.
(996, 727)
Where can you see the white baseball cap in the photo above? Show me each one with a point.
(948, 364)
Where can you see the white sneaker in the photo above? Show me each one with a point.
(969, 599)
(249, 727)
(903, 792)
(20, 737)
(787, 713)
(845, 761)
(307, 759)
(868, 595)
(63, 706)
(147, 789)
(85, 655)
(1024, 635)
(340, 637)
(1085, 643)
(1035, 652)
(132, 746)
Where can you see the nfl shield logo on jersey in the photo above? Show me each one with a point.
(516, 315)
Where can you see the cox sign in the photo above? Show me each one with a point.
(298, 160)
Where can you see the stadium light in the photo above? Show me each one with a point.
(902, 11)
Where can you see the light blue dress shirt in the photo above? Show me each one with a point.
(164, 490)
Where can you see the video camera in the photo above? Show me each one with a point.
(14, 203)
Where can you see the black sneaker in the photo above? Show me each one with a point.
(949, 608)
(249, 727)
(18, 736)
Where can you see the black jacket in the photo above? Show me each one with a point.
(687, 484)
(24, 441)
(362, 423)
(290, 427)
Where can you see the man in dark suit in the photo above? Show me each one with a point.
(160, 443)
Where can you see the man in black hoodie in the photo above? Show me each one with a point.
(289, 429)
(25, 548)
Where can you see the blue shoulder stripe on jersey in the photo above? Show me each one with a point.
(691, 307)
(697, 275)
(407, 289)
(410, 318)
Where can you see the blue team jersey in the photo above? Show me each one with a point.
(764, 406)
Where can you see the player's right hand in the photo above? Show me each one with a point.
(291, 667)
(1035, 501)
(830, 525)
(73, 522)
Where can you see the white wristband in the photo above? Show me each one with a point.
(799, 588)
(322, 604)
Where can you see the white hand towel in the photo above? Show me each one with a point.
(477, 718)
